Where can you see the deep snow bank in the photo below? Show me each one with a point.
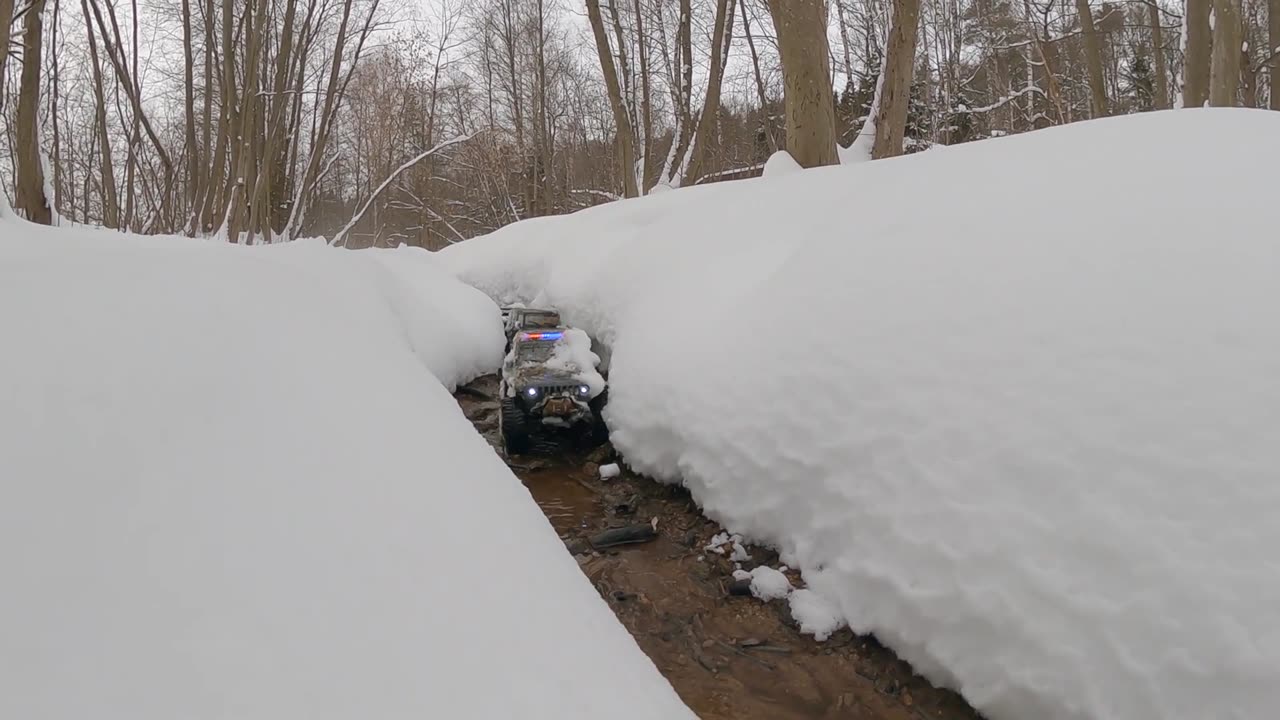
(1014, 406)
(229, 487)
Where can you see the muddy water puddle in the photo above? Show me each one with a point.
(567, 503)
(729, 658)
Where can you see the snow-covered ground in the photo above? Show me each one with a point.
(233, 484)
(1013, 406)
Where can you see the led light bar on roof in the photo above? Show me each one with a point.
(543, 336)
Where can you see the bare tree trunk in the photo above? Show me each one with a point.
(542, 150)
(1093, 60)
(810, 109)
(646, 104)
(189, 98)
(625, 136)
(260, 216)
(332, 97)
(715, 78)
(110, 202)
(843, 24)
(135, 139)
(29, 182)
(1196, 36)
(1249, 80)
(1273, 45)
(1051, 78)
(1157, 51)
(54, 93)
(674, 171)
(755, 68)
(1224, 78)
(132, 92)
(223, 164)
(625, 78)
(6, 22)
(248, 160)
(882, 134)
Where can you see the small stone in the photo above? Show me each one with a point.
(906, 699)
(708, 643)
(750, 642)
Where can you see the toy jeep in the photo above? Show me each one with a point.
(545, 395)
(522, 318)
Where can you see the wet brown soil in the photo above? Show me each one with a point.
(729, 657)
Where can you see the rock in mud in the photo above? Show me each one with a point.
(628, 535)
(740, 588)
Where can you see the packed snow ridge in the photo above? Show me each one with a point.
(1013, 406)
(233, 484)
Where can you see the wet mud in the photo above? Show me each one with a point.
(729, 657)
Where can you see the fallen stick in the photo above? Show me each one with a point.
(628, 535)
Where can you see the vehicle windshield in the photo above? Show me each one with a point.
(531, 351)
(541, 319)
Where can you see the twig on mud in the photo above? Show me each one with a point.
(473, 392)
(744, 654)
(779, 649)
(864, 676)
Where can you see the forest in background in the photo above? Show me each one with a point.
(381, 122)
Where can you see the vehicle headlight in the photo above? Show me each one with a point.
(532, 392)
(584, 389)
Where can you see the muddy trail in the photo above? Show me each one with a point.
(729, 657)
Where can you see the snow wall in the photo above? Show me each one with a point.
(1012, 406)
(233, 485)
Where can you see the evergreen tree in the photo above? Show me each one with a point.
(1141, 82)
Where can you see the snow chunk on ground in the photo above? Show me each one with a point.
(232, 484)
(769, 584)
(610, 471)
(779, 164)
(1032, 446)
(817, 616)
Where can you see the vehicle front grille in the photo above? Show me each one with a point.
(557, 389)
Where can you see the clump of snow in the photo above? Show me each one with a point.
(739, 553)
(779, 164)
(234, 484)
(769, 584)
(1023, 440)
(573, 354)
(817, 616)
(610, 471)
(717, 543)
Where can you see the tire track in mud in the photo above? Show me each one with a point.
(729, 658)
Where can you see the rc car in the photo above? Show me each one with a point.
(550, 390)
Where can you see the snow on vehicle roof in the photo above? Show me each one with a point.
(566, 352)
